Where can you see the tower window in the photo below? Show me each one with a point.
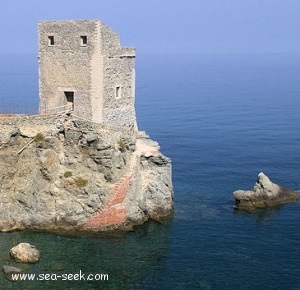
(51, 40)
(118, 92)
(83, 40)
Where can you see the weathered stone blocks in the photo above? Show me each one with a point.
(96, 79)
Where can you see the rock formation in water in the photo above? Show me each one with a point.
(61, 172)
(264, 194)
(25, 253)
(12, 272)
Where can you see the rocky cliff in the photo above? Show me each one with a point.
(61, 172)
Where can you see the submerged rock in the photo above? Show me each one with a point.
(10, 271)
(264, 194)
(25, 253)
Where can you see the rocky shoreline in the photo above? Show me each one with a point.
(65, 173)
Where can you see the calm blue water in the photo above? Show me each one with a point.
(222, 119)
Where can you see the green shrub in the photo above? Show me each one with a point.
(68, 174)
(121, 144)
(81, 182)
(39, 137)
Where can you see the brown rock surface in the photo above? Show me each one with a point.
(25, 253)
(264, 194)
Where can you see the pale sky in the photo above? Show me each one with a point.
(160, 26)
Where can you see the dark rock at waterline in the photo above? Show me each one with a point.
(10, 271)
(264, 194)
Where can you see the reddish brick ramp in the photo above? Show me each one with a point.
(113, 211)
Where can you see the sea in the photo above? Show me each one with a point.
(222, 119)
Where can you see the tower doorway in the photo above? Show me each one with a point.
(69, 97)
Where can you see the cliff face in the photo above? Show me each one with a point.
(63, 172)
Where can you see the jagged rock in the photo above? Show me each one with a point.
(63, 181)
(160, 160)
(264, 193)
(90, 138)
(142, 135)
(31, 132)
(10, 271)
(25, 253)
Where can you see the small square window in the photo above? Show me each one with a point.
(83, 40)
(51, 40)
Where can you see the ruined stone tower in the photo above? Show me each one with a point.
(82, 67)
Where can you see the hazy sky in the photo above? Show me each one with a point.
(187, 26)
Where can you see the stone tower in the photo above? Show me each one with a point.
(82, 67)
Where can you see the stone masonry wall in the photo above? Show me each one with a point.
(119, 73)
(66, 65)
(109, 39)
(101, 73)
